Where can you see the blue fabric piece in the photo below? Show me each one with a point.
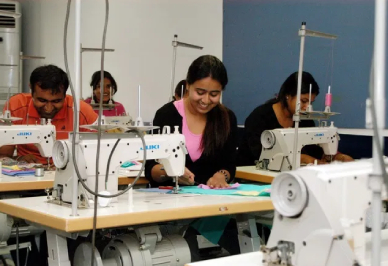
(127, 164)
(18, 173)
(232, 192)
(211, 228)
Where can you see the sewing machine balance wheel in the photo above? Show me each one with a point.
(289, 194)
(83, 253)
(268, 139)
(60, 154)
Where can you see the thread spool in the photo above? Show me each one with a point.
(39, 171)
(328, 99)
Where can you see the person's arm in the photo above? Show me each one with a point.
(310, 153)
(7, 151)
(153, 170)
(343, 157)
(338, 157)
(87, 116)
(307, 159)
(254, 127)
(159, 175)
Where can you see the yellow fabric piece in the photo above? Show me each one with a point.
(248, 193)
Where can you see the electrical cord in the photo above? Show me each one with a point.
(138, 132)
(99, 132)
(28, 253)
(17, 245)
(109, 159)
(95, 193)
(76, 168)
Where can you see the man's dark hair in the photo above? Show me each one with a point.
(49, 77)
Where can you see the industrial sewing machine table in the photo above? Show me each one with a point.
(30, 182)
(252, 174)
(145, 208)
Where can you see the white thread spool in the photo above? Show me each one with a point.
(39, 171)
(104, 202)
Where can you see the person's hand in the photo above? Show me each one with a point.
(187, 178)
(50, 167)
(29, 158)
(217, 181)
(343, 158)
(307, 159)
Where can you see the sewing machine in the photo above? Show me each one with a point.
(123, 120)
(320, 217)
(168, 148)
(277, 151)
(43, 136)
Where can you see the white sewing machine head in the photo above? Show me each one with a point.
(168, 148)
(43, 136)
(278, 144)
(320, 214)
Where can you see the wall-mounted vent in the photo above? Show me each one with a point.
(6, 22)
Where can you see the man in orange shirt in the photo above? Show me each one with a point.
(48, 99)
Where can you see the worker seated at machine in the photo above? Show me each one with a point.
(210, 130)
(47, 100)
(208, 126)
(278, 145)
(278, 113)
(110, 107)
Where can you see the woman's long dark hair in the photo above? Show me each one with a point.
(290, 87)
(217, 127)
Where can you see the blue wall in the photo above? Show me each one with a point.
(261, 48)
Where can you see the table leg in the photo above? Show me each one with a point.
(249, 239)
(57, 250)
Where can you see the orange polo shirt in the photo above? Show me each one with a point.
(21, 104)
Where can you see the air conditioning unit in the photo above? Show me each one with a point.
(10, 48)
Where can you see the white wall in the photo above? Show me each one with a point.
(140, 31)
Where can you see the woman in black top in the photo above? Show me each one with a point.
(207, 118)
(278, 113)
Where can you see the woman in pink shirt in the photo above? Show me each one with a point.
(210, 131)
(210, 128)
(110, 88)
